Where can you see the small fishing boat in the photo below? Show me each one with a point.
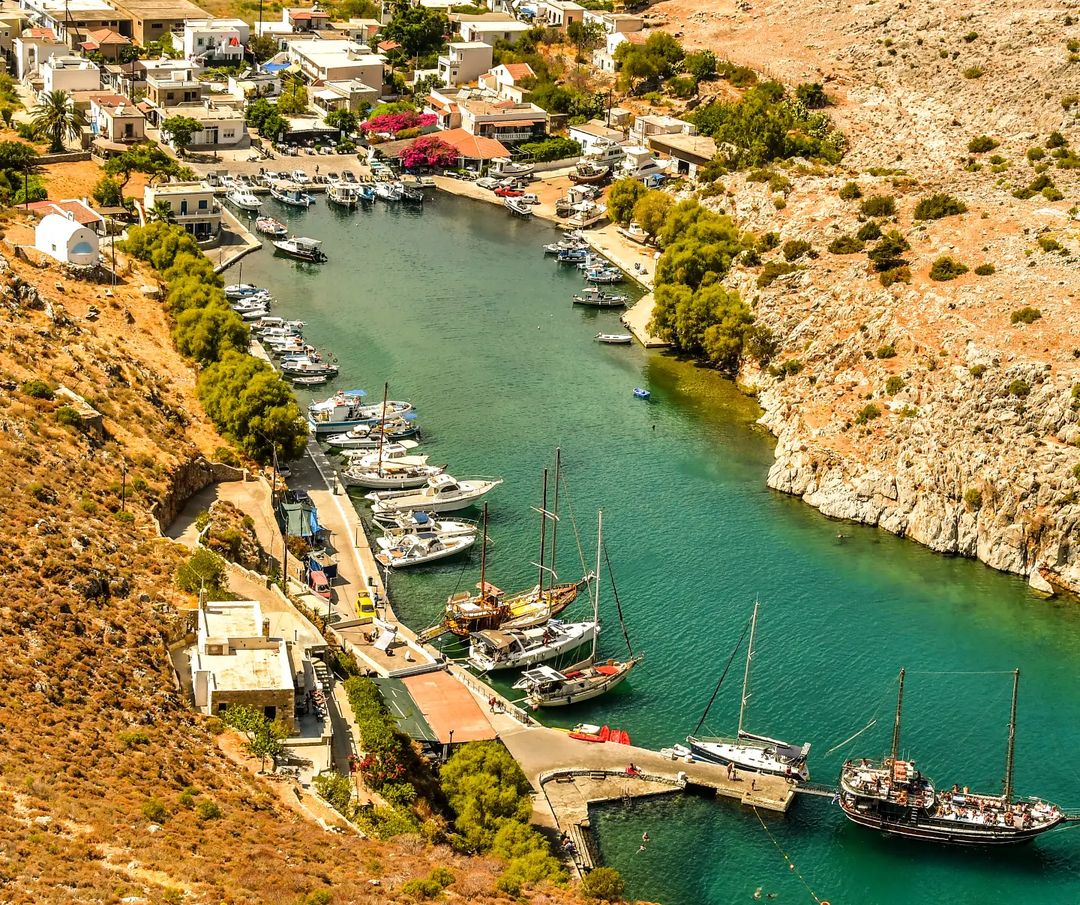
(242, 291)
(589, 173)
(891, 796)
(253, 314)
(606, 275)
(518, 208)
(347, 409)
(307, 368)
(587, 732)
(250, 303)
(343, 194)
(497, 649)
(369, 436)
(553, 248)
(442, 493)
(243, 199)
(391, 455)
(418, 549)
(597, 298)
(614, 339)
(505, 168)
(389, 191)
(312, 380)
(410, 195)
(268, 226)
(301, 248)
(390, 478)
(367, 192)
(746, 751)
(641, 393)
(577, 255)
(548, 687)
(291, 195)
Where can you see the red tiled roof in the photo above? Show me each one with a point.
(110, 100)
(38, 32)
(107, 36)
(82, 213)
(519, 70)
(388, 45)
(474, 147)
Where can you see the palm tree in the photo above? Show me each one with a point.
(56, 118)
(160, 212)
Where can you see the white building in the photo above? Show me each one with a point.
(614, 23)
(559, 13)
(594, 136)
(215, 42)
(66, 240)
(114, 118)
(349, 95)
(489, 32)
(659, 124)
(192, 205)
(506, 78)
(252, 85)
(236, 662)
(35, 48)
(337, 60)
(465, 62)
(70, 74)
(223, 126)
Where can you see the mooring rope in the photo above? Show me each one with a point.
(618, 603)
(787, 859)
(727, 666)
(852, 738)
(574, 524)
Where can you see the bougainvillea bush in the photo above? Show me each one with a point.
(392, 123)
(429, 151)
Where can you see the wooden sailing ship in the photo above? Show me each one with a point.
(892, 796)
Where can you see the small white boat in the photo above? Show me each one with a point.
(343, 194)
(242, 290)
(244, 199)
(253, 314)
(505, 168)
(313, 381)
(604, 275)
(593, 297)
(301, 248)
(250, 304)
(496, 649)
(403, 523)
(518, 208)
(268, 226)
(347, 409)
(292, 195)
(369, 436)
(418, 549)
(392, 455)
(615, 339)
(442, 493)
(389, 191)
(390, 478)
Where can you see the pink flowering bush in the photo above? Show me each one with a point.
(392, 123)
(428, 151)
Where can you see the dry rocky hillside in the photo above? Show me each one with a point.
(111, 788)
(924, 407)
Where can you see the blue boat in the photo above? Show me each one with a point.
(367, 193)
(641, 393)
(572, 256)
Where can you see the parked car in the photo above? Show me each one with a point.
(505, 192)
(530, 198)
(487, 183)
(319, 583)
(300, 177)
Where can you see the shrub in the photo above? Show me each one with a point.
(795, 248)
(946, 268)
(812, 96)
(977, 371)
(900, 274)
(68, 417)
(1056, 140)
(87, 505)
(974, 72)
(133, 737)
(202, 570)
(934, 207)
(1025, 315)
(849, 191)
(894, 385)
(980, 144)
(1035, 153)
(555, 148)
(787, 368)
(867, 414)
(772, 271)
(188, 797)
(878, 206)
(604, 883)
(1049, 243)
(869, 231)
(154, 810)
(207, 810)
(985, 270)
(421, 889)
(336, 790)
(1076, 471)
(846, 245)
(889, 251)
(886, 351)
(485, 787)
(973, 498)
(1019, 388)
(37, 389)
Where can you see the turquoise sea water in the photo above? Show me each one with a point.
(458, 308)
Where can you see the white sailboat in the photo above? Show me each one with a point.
(497, 649)
(747, 751)
(394, 455)
(546, 686)
(382, 478)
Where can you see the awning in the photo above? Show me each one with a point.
(403, 709)
(517, 122)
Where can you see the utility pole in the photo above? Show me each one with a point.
(123, 486)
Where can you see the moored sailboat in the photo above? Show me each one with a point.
(892, 796)
(747, 751)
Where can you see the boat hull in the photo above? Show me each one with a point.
(586, 693)
(747, 758)
(522, 659)
(942, 832)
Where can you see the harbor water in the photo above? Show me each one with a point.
(459, 310)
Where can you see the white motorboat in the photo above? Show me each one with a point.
(347, 409)
(389, 191)
(242, 290)
(442, 493)
(243, 199)
(418, 549)
(746, 751)
(343, 194)
(307, 367)
(497, 649)
(402, 523)
(614, 339)
(592, 297)
(369, 436)
(268, 226)
(292, 195)
(601, 275)
(392, 455)
(313, 381)
(505, 168)
(251, 303)
(301, 248)
(253, 314)
(518, 208)
(390, 478)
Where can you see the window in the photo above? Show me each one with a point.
(202, 204)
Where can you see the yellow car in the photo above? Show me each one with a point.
(365, 608)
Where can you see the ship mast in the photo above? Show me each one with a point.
(543, 536)
(1009, 751)
(555, 516)
(483, 559)
(896, 726)
(382, 424)
(596, 593)
(746, 672)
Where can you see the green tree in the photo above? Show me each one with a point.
(812, 96)
(56, 118)
(202, 571)
(180, 131)
(622, 196)
(417, 29)
(889, 251)
(144, 157)
(637, 69)
(604, 883)
(293, 100)
(585, 36)
(206, 334)
(264, 738)
(485, 786)
(108, 192)
(344, 120)
(651, 211)
(700, 66)
(160, 212)
(262, 47)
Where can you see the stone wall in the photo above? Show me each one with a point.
(188, 479)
